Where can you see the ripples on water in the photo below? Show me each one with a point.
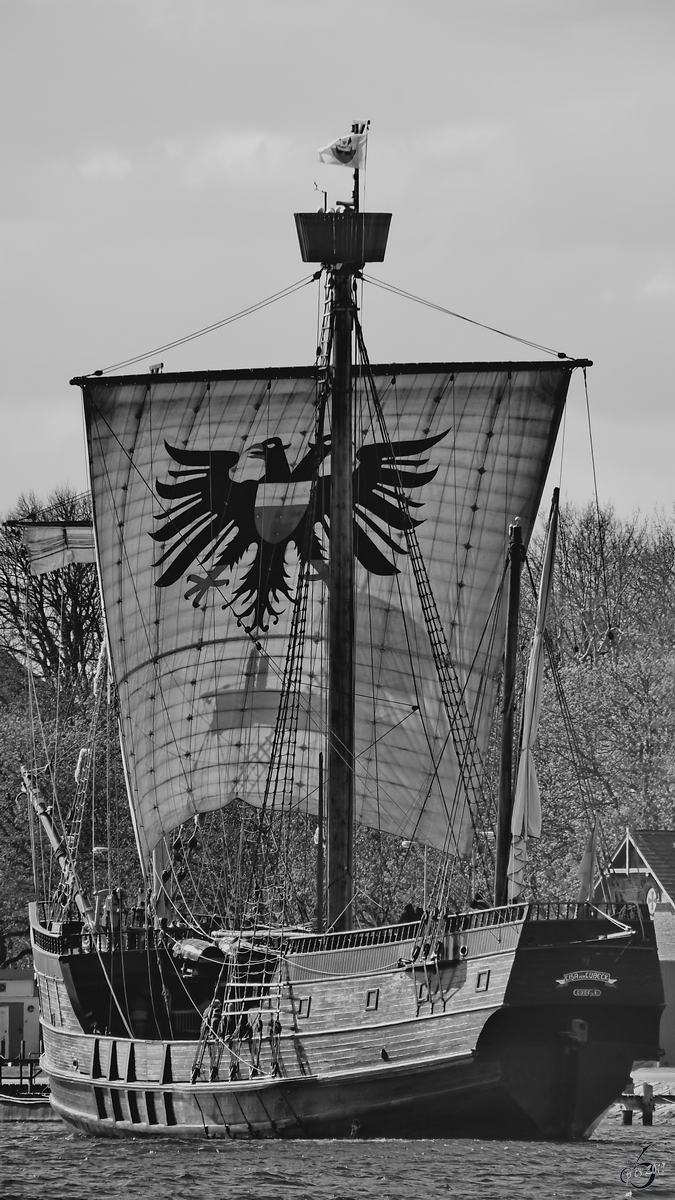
(45, 1162)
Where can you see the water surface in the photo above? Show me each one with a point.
(46, 1162)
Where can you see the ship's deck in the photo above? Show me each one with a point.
(130, 931)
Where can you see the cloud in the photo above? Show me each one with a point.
(230, 154)
(464, 146)
(469, 159)
(658, 286)
(106, 165)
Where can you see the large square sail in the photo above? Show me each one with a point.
(202, 487)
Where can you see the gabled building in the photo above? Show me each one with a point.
(19, 1017)
(642, 871)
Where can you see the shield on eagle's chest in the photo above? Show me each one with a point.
(279, 508)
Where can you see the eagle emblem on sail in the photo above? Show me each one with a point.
(212, 519)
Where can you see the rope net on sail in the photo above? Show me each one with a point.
(206, 528)
(472, 785)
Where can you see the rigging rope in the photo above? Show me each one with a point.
(576, 753)
(587, 798)
(453, 693)
(601, 534)
(396, 291)
(190, 337)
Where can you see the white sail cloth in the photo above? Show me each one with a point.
(50, 546)
(526, 818)
(199, 695)
(587, 866)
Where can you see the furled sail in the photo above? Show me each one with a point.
(526, 817)
(211, 489)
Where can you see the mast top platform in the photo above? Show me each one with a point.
(343, 237)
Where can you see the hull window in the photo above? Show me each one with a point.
(483, 981)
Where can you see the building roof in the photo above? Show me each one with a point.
(657, 847)
(653, 848)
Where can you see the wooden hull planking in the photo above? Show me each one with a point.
(498, 1043)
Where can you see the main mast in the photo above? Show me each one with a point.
(342, 242)
(340, 808)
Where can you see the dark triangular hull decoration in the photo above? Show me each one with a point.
(131, 1064)
(166, 1065)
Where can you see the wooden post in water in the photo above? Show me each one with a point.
(505, 809)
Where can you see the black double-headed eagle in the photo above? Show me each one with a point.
(214, 519)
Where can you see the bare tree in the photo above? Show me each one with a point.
(52, 622)
(612, 629)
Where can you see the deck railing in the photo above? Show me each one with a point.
(566, 910)
(127, 929)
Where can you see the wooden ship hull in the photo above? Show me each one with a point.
(525, 1024)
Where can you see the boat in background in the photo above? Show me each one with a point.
(302, 566)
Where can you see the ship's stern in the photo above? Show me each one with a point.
(583, 1003)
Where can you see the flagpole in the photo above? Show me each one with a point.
(357, 127)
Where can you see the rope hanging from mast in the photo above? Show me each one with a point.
(191, 337)
(462, 730)
(396, 291)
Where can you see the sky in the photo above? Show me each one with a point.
(154, 152)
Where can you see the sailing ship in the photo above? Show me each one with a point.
(310, 587)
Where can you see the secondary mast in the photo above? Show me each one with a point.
(505, 810)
